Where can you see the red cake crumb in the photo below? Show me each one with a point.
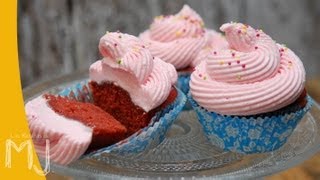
(117, 102)
(106, 129)
(186, 69)
(302, 101)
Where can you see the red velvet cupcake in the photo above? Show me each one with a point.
(129, 83)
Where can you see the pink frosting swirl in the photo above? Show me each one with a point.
(176, 39)
(256, 76)
(215, 41)
(128, 63)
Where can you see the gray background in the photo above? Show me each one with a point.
(61, 36)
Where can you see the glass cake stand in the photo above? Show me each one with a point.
(185, 152)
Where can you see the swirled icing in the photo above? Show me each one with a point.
(255, 76)
(215, 41)
(176, 39)
(128, 63)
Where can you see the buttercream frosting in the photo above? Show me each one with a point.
(176, 39)
(214, 41)
(255, 76)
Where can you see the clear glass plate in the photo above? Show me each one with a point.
(186, 153)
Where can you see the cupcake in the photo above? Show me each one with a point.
(251, 97)
(177, 39)
(129, 82)
(127, 105)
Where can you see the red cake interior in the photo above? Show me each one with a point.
(188, 69)
(106, 129)
(302, 99)
(117, 102)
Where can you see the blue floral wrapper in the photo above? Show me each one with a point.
(148, 137)
(183, 82)
(250, 134)
(183, 85)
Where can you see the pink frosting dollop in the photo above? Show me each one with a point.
(215, 41)
(129, 64)
(176, 39)
(255, 76)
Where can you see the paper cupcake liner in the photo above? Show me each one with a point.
(148, 137)
(250, 134)
(183, 82)
(183, 85)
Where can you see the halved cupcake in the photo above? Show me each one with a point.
(71, 127)
(129, 82)
(250, 98)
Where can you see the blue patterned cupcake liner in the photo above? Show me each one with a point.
(250, 134)
(183, 82)
(148, 137)
(183, 85)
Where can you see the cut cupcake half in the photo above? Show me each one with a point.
(129, 83)
(71, 127)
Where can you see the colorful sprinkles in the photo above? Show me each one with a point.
(202, 24)
(178, 33)
(135, 49)
(244, 29)
(159, 17)
(290, 64)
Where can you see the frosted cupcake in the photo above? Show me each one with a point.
(177, 39)
(129, 82)
(250, 98)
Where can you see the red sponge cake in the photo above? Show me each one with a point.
(116, 101)
(106, 129)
